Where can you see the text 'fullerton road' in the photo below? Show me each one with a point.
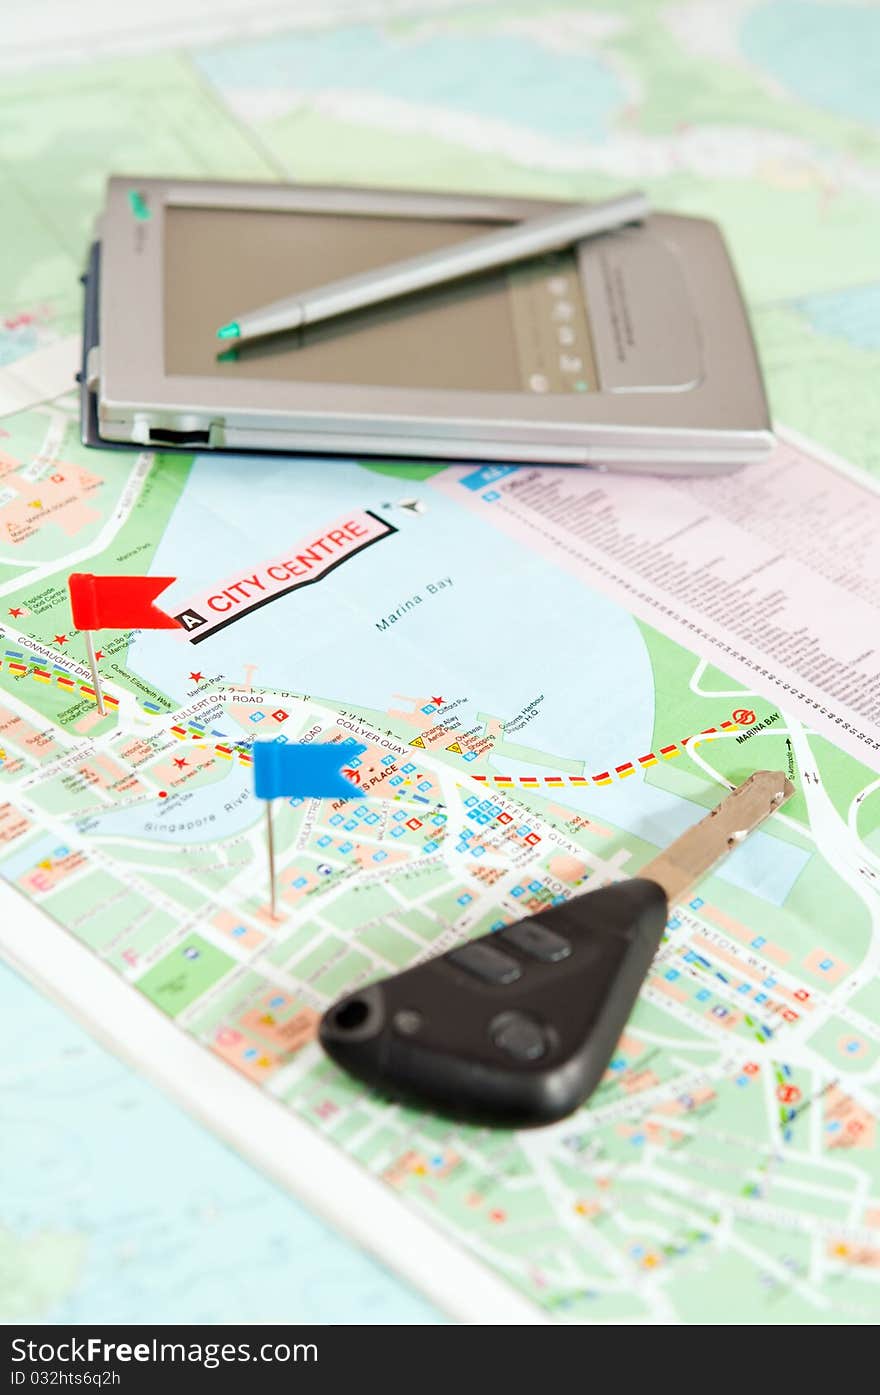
(306, 562)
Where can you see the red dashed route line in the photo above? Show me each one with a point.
(605, 777)
(61, 677)
(227, 752)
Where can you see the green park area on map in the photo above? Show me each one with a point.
(525, 735)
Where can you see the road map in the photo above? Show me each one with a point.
(530, 732)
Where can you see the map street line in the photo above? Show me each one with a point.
(136, 479)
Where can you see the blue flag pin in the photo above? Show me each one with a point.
(303, 770)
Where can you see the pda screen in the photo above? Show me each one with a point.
(521, 329)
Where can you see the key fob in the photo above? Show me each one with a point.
(515, 1028)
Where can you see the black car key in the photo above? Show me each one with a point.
(517, 1028)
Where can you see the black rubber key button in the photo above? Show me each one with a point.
(520, 1036)
(537, 941)
(486, 962)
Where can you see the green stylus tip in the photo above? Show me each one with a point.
(228, 356)
(230, 331)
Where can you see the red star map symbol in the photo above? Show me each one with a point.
(197, 677)
(438, 701)
(180, 762)
(61, 639)
(15, 612)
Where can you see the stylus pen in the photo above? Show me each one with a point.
(495, 249)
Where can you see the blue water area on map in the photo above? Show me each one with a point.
(503, 77)
(510, 629)
(824, 53)
(852, 314)
(174, 1226)
(193, 816)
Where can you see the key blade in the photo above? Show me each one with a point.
(696, 852)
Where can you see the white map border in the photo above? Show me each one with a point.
(256, 1125)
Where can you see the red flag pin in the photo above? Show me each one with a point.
(116, 603)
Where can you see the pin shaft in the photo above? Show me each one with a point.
(93, 665)
(270, 849)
